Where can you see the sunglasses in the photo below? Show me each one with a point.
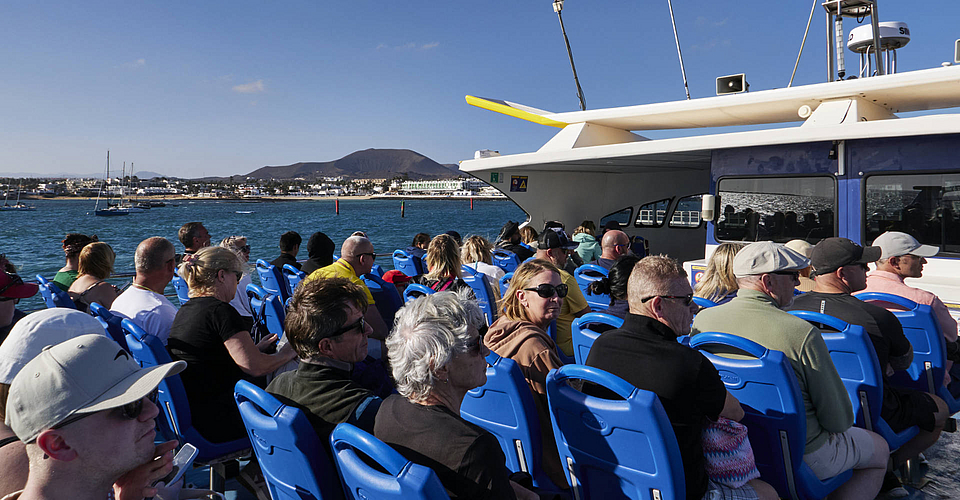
(793, 274)
(546, 290)
(238, 274)
(371, 254)
(687, 299)
(129, 411)
(361, 324)
(14, 281)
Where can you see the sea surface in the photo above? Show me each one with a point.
(31, 240)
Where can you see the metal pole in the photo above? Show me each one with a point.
(680, 54)
(829, 48)
(809, 19)
(875, 23)
(558, 6)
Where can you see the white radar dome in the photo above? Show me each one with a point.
(893, 35)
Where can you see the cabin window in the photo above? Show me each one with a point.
(687, 212)
(653, 214)
(776, 208)
(622, 216)
(923, 205)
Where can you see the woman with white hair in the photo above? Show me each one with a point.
(238, 245)
(437, 354)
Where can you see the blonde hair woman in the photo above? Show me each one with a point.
(476, 254)
(96, 265)
(443, 260)
(718, 283)
(238, 245)
(212, 338)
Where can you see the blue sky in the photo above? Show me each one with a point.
(218, 88)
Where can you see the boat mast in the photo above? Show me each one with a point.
(97, 206)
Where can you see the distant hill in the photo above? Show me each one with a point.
(366, 164)
(146, 174)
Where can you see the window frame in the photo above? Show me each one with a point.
(667, 212)
(702, 222)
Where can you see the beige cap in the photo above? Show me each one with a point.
(767, 257)
(800, 246)
(38, 330)
(85, 374)
(895, 244)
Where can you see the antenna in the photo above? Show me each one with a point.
(680, 54)
(836, 11)
(557, 7)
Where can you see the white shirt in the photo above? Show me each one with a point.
(490, 272)
(148, 309)
(240, 301)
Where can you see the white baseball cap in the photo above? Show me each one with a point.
(86, 374)
(767, 257)
(895, 244)
(38, 330)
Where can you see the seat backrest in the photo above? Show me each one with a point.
(703, 303)
(406, 263)
(58, 297)
(268, 311)
(271, 279)
(377, 269)
(180, 286)
(767, 389)
(505, 283)
(295, 463)
(110, 322)
(46, 292)
(584, 332)
(586, 274)
(610, 448)
(385, 295)
(481, 290)
(293, 277)
(505, 259)
(504, 406)
(856, 361)
(415, 291)
(402, 479)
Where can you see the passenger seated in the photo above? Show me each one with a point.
(613, 244)
(588, 248)
(614, 284)
(96, 265)
(476, 254)
(72, 244)
(803, 248)
(443, 260)
(645, 353)
(319, 253)
(841, 267)
(554, 247)
(418, 247)
(238, 245)
(289, 248)
(325, 326)
(718, 282)
(437, 355)
(509, 240)
(530, 304)
(767, 273)
(144, 302)
(528, 237)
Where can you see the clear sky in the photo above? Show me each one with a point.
(198, 88)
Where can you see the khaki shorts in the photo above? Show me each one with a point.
(851, 449)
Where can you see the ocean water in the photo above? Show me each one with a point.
(31, 240)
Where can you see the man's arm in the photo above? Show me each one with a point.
(372, 317)
(732, 408)
(821, 380)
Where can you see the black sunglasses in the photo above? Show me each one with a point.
(238, 274)
(129, 411)
(14, 281)
(371, 254)
(359, 324)
(546, 290)
(687, 299)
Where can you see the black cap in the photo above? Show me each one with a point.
(555, 238)
(508, 230)
(320, 247)
(455, 235)
(833, 253)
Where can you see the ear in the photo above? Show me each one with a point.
(656, 307)
(52, 443)
(325, 347)
(442, 374)
(522, 297)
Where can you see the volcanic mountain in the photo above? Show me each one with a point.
(366, 164)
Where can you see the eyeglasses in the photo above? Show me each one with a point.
(371, 254)
(687, 299)
(793, 274)
(546, 290)
(238, 274)
(361, 324)
(129, 411)
(245, 249)
(14, 281)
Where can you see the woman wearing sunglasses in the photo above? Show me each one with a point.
(209, 334)
(239, 246)
(529, 305)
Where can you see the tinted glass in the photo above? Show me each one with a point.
(622, 216)
(776, 208)
(687, 212)
(923, 205)
(653, 214)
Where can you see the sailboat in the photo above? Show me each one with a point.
(111, 210)
(18, 207)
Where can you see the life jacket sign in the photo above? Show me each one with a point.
(518, 183)
(697, 272)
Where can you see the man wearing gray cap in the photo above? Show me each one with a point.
(767, 273)
(85, 411)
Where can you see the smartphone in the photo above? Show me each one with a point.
(181, 463)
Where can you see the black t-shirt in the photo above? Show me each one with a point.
(604, 263)
(523, 253)
(646, 354)
(197, 336)
(467, 459)
(285, 258)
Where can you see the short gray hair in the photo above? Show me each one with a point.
(653, 275)
(152, 254)
(427, 334)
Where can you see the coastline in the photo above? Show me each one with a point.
(283, 198)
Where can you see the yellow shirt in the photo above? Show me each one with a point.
(343, 269)
(574, 302)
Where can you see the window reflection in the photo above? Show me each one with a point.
(776, 208)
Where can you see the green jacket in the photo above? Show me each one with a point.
(755, 316)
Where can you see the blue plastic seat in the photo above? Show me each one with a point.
(403, 479)
(482, 291)
(175, 419)
(294, 462)
(586, 274)
(272, 280)
(921, 328)
(53, 296)
(110, 322)
(613, 448)
(505, 283)
(293, 277)
(504, 406)
(407, 264)
(584, 334)
(768, 390)
(703, 303)
(377, 269)
(505, 259)
(180, 286)
(415, 291)
(268, 311)
(385, 296)
(856, 361)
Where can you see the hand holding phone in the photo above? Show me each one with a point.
(181, 463)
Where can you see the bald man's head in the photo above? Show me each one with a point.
(358, 251)
(614, 244)
(152, 254)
